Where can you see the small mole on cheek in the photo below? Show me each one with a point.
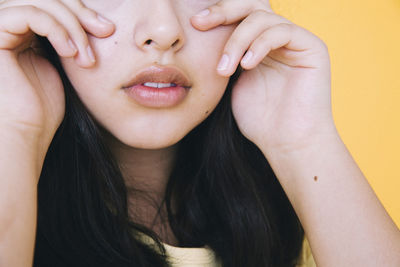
(207, 111)
(115, 42)
(315, 178)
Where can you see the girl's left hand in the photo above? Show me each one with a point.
(282, 98)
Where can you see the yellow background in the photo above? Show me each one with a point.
(363, 38)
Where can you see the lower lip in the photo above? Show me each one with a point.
(157, 97)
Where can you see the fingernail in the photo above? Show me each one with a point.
(90, 53)
(203, 13)
(223, 63)
(72, 45)
(247, 56)
(104, 20)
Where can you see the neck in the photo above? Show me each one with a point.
(146, 173)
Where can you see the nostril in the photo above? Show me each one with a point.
(175, 43)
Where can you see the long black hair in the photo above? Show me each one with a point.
(226, 195)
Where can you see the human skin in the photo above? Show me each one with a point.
(144, 139)
(122, 55)
(157, 130)
(282, 104)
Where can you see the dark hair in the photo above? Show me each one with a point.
(226, 194)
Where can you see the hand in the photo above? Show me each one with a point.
(282, 98)
(31, 92)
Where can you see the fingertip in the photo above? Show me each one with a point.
(101, 29)
(85, 64)
(70, 54)
(202, 14)
(97, 25)
(104, 21)
(104, 32)
(90, 54)
(85, 58)
(207, 22)
(223, 74)
(68, 50)
(247, 60)
(245, 66)
(199, 23)
(73, 48)
(109, 26)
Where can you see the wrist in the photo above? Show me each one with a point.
(291, 157)
(24, 146)
(308, 164)
(286, 144)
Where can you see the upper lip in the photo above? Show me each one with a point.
(156, 74)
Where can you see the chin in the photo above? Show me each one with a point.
(152, 141)
(150, 145)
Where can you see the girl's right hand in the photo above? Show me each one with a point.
(32, 100)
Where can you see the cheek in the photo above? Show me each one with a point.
(205, 50)
(117, 59)
(96, 83)
(208, 46)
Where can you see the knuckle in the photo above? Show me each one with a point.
(234, 40)
(260, 12)
(83, 12)
(283, 19)
(285, 27)
(262, 4)
(88, 12)
(263, 38)
(248, 8)
(255, 16)
(219, 4)
(323, 45)
(6, 39)
(234, 43)
(77, 33)
(58, 30)
(215, 8)
(82, 38)
(32, 9)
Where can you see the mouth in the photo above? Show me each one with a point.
(158, 87)
(160, 77)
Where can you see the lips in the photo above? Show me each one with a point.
(155, 74)
(158, 87)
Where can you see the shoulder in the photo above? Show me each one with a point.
(306, 258)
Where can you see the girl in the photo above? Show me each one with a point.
(169, 132)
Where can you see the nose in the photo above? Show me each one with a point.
(160, 29)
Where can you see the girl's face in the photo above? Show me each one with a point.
(150, 33)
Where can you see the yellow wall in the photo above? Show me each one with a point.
(363, 38)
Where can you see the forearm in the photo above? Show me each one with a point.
(344, 221)
(18, 200)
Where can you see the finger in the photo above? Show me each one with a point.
(244, 34)
(90, 20)
(292, 40)
(69, 21)
(14, 26)
(227, 12)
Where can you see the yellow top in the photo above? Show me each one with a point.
(205, 257)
